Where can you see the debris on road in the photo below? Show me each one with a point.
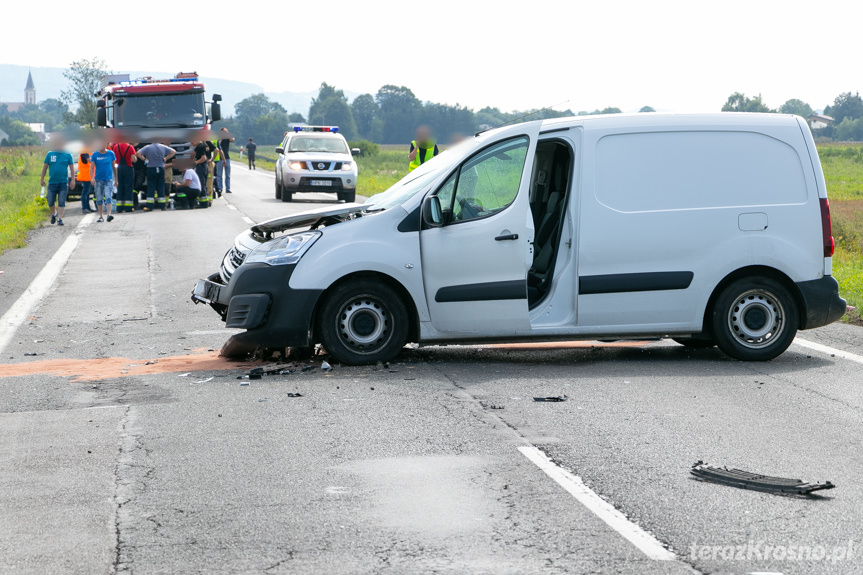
(206, 380)
(326, 366)
(308, 368)
(153, 362)
(556, 398)
(244, 383)
(295, 395)
(185, 374)
(755, 481)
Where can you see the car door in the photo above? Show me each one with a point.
(475, 263)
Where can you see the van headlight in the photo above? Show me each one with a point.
(346, 167)
(284, 250)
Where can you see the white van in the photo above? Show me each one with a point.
(710, 229)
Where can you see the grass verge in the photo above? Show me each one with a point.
(21, 208)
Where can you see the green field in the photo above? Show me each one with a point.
(21, 208)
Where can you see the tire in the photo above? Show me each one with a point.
(695, 342)
(286, 194)
(278, 188)
(348, 197)
(363, 322)
(755, 319)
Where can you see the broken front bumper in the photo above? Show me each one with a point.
(259, 299)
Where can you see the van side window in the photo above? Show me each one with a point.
(487, 183)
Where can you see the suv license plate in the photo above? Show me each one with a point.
(322, 183)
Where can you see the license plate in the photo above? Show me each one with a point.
(323, 183)
(207, 291)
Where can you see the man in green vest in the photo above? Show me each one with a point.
(423, 148)
(217, 166)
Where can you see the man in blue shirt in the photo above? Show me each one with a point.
(103, 179)
(156, 156)
(59, 165)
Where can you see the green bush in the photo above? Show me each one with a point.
(368, 149)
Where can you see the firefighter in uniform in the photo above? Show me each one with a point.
(125, 154)
(423, 148)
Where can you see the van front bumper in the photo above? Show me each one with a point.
(259, 299)
(822, 304)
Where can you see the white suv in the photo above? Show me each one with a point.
(315, 159)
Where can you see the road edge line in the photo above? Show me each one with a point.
(41, 285)
(641, 539)
(828, 350)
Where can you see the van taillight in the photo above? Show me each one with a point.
(827, 228)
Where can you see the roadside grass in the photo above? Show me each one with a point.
(21, 208)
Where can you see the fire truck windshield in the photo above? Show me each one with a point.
(148, 110)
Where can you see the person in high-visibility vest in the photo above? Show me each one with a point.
(84, 177)
(217, 169)
(423, 148)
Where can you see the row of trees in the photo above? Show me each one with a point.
(390, 116)
(846, 111)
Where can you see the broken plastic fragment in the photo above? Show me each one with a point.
(295, 395)
(755, 481)
(551, 399)
(325, 366)
(244, 383)
(206, 380)
(185, 374)
(151, 362)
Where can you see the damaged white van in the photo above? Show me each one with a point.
(709, 229)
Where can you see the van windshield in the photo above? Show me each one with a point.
(317, 144)
(416, 181)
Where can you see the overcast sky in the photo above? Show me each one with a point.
(682, 56)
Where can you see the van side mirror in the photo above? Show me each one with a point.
(280, 150)
(102, 117)
(356, 152)
(215, 112)
(432, 213)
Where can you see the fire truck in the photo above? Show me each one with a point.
(150, 109)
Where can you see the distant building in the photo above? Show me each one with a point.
(3, 136)
(29, 96)
(38, 129)
(818, 121)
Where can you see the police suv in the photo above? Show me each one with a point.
(315, 159)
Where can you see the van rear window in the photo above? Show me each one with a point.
(661, 171)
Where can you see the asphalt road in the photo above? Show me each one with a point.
(127, 447)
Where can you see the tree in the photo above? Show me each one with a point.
(19, 133)
(85, 79)
(846, 105)
(796, 107)
(365, 111)
(399, 113)
(251, 109)
(296, 118)
(646, 109)
(849, 130)
(738, 102)
(331, 108)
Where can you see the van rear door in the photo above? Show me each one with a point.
(475, 266)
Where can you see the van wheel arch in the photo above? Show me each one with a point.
(751, 271)
(407, 300)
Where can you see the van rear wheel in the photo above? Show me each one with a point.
(755, 319)
(363, 322)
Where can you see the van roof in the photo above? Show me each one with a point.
(654, 119)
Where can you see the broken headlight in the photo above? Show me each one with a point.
(284, 250)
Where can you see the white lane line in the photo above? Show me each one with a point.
(249, 220)
(643, 540)
(232, 207)
(18, 313)
(828, 350)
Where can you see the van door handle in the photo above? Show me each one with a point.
(506, 237)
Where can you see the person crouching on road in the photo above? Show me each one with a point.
(189, 191)
(103, 180)
(423, 148)
(83, 178)
(59, 164)
(156, 155)
(125, 154)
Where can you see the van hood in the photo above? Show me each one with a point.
(319, 157)
(308, 218)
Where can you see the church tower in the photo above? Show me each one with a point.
(30, 90)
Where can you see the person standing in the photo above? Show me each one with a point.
(83, 177)
(217, 168)
(156, 155)
(105, 174)
(225, 147)
(202, 159)
(59, 165)
(423, 148)
(250, 153)
(125, 154)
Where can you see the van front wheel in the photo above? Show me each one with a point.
(755, 319)
(363, 322)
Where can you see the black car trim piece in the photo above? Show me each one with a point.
(554, 130)
(491, 291)
(411, 223)
(634, 282)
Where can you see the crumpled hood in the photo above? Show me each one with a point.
(306, 218)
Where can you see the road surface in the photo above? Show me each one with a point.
(128, 446)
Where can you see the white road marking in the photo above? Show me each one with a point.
(41, 285)
(828, 350)
(232, 207)
(249, 220)
(643, 540)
